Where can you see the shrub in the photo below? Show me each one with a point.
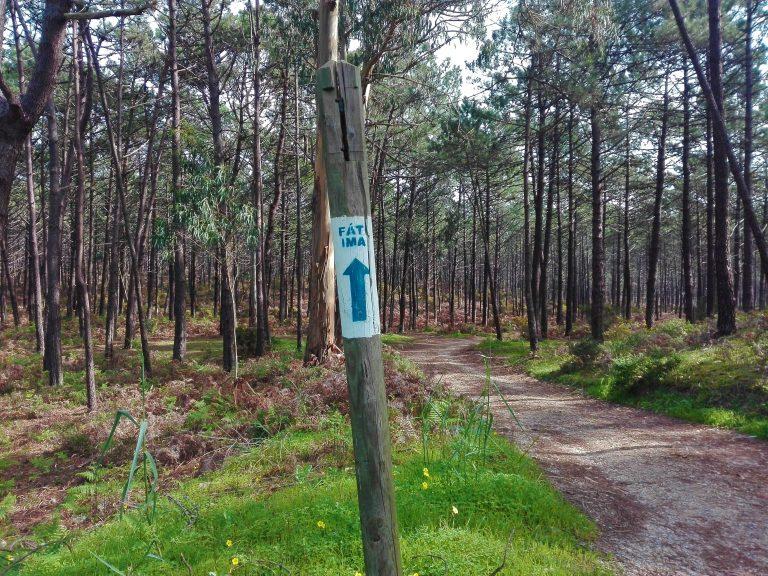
(520, 325)
(78, 443)
(640, 373)
(270, 421)
(585, 353)
(246, 342)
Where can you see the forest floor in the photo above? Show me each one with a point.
(256, 472)
(670, 497)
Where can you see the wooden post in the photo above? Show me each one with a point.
(341, 119)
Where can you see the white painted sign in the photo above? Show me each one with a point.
(356, 276)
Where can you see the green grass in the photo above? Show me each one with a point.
(269, 501)
(674, 369)
(393, 339)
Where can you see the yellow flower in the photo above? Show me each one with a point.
(235, 561)
(415, 574)
(229, 543)
(454, 510)
(358, 574)
(424, 485)
(321, 524)
(426, 472)
(10, 558)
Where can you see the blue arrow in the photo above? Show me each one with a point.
(357, 271)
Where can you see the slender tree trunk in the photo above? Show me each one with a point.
(726, 317)
(276, 201)
(627, 271)
(120, 185)
(34, 257)
(711, 267)
(598, 249)
(52, 357)
(686, 208)
(533, 332)
(9, 283)
(747, 265)
(179, 263)
(228, 276)
(297, 174)
(322, 301)
(653, 252)
(570, 290)
(407, 249)
(84, 306)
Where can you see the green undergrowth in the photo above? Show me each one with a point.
(468, 503)
(289, 507)
(674, 368)
(393, 339)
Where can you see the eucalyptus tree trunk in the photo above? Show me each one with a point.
(322, 301)
(297, 175)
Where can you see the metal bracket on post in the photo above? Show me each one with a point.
(342, 121)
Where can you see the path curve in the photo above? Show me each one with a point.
(671, 498)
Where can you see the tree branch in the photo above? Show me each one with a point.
(115, 13)
(7, 92)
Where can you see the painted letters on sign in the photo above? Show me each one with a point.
(356, 276)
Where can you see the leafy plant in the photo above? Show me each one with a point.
(142, 461)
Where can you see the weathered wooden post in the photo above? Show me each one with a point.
(341, 119)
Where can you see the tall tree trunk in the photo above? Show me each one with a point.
(627, 271)
(407, 249)
(34, 257)
(653, 251)
(533, 332)
(711, 267)
(598, 249)
(297, 174)
(20, 113)
(120, 185)
(488, 272)
(726, 317)
(686, 208)
(228, 276)
(84, 306)
(276, 201)
(257, 192)
(747, 266)
(570, 290)
(322, 301)
(179, 264)
(56, 196)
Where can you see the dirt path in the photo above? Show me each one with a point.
(671, 498)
